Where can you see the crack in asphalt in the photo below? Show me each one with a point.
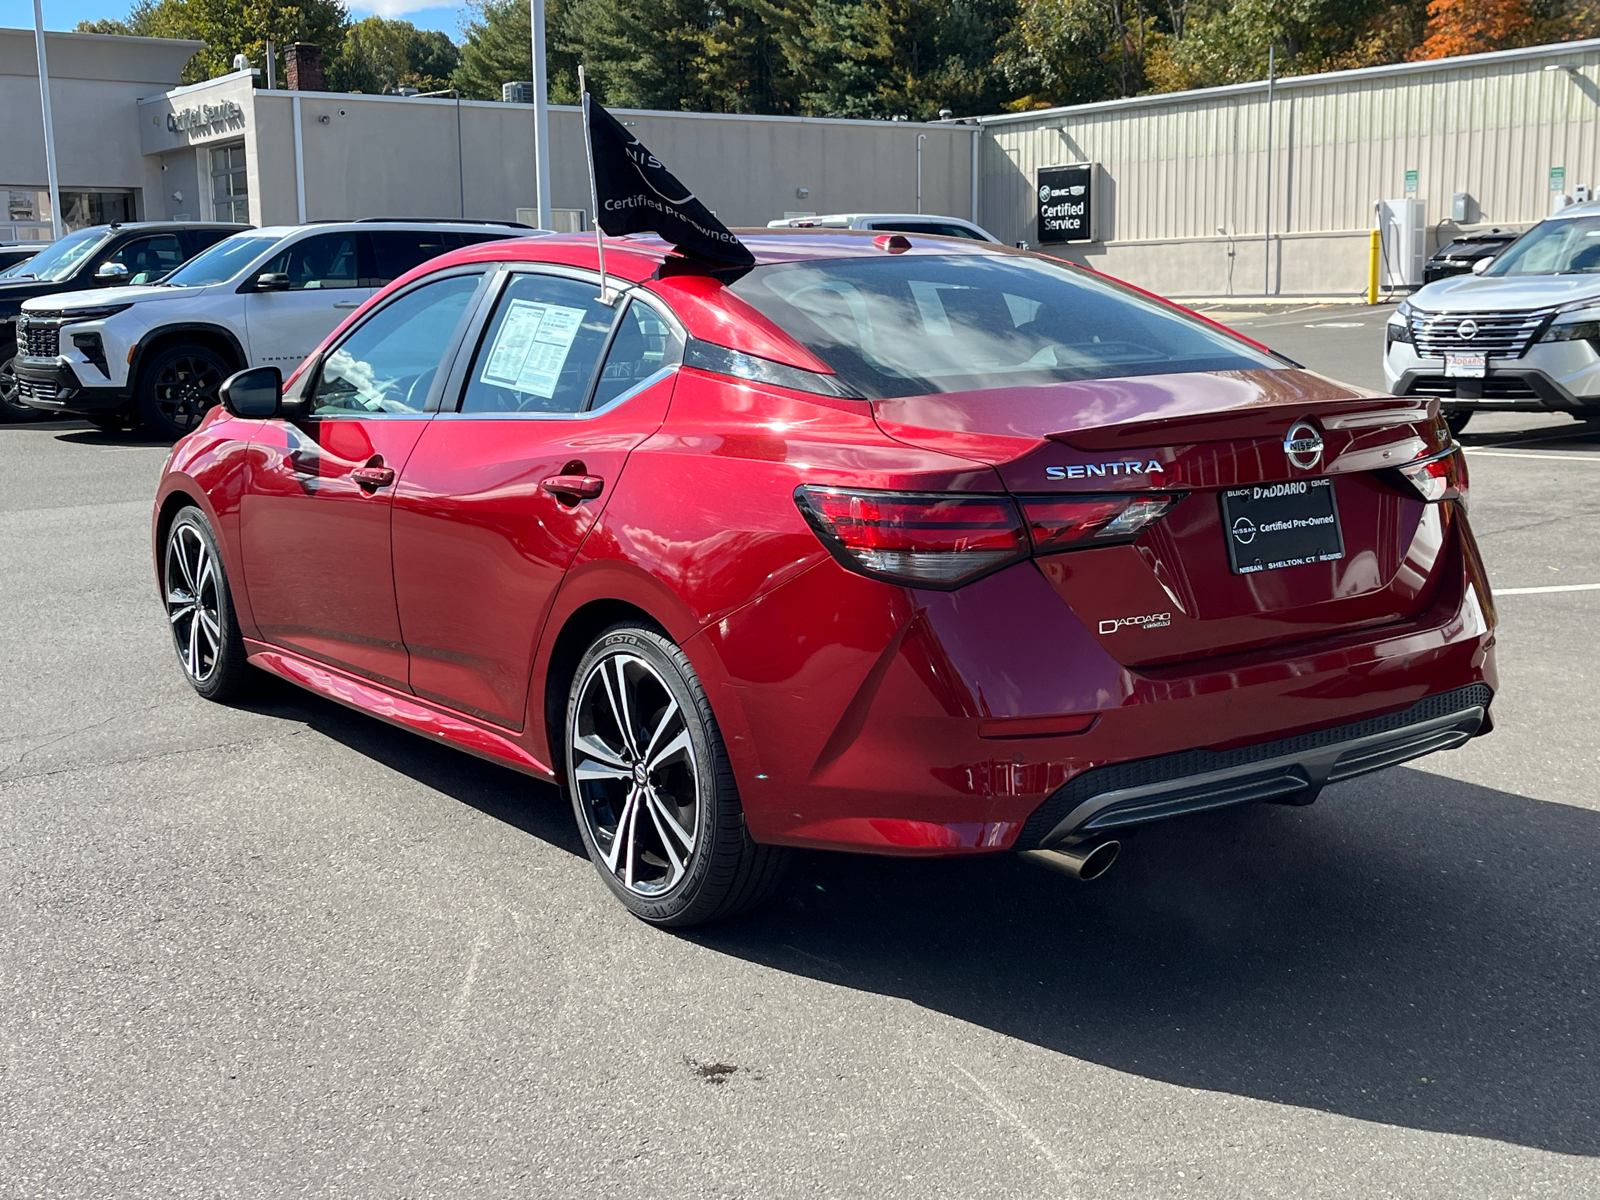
(45, 745)
(8, 779)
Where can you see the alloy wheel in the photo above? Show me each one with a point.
(186, 387)
(11, 392)
(193, 600)
(636, 774)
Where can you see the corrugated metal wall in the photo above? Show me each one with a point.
(1183, 167)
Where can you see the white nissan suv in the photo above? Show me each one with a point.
(155, 355)
(1521, 332)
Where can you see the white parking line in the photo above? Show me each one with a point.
(1581, 458)
(1561, 587)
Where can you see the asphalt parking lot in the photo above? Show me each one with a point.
(282, 949)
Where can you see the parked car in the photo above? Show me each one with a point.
(1522, 332)
(927, 548)
(1461, 254)
(12, 253)
(156, 355)
(102, 256)
(891, 223)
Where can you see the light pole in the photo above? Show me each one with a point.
(541, 116)
(49, 124)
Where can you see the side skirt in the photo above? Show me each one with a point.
(405, 711)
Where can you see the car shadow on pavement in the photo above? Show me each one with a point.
(1410, 950)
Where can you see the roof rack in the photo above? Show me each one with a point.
(437, 221)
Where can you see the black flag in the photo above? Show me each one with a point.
(636, 194)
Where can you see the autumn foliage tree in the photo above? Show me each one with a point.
(1474, 26)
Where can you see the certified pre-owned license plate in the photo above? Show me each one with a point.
(1277, 525)
(1466, 366)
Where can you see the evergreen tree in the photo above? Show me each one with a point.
(499, 49)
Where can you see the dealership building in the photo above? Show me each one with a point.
(1236, 190)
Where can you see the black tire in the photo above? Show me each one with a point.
(635, 793)
(1457, 419)
(12, 410)
(177, 386)
(199, 604)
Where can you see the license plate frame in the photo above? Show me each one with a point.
(1269, 527)
(1466, 366)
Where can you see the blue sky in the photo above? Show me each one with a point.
(64, 14)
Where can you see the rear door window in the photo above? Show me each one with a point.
(396, 251)
(644, 344)
(539, 352)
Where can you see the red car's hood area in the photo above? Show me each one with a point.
(1004, 424)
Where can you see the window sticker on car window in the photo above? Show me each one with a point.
(532, 347)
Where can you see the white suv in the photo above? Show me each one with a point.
(268, 297)
(1522, 332)
(892, 223)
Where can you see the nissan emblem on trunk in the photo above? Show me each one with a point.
(1303, 445)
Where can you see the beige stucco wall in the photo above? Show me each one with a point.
(96, 82)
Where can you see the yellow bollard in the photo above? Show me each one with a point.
(1372, 267)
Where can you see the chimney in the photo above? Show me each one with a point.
(302, 65)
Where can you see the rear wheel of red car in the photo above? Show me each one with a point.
(653, 789)
(177, 387)
(205, 631)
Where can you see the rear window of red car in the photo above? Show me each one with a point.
(917, 324)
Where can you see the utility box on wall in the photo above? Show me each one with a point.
(1068, 208)
(1403, 246)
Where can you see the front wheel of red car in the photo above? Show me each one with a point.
(653, 789)
(205, 631)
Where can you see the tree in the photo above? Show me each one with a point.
(499, 49)
(379, 55)
(1458, 27)
(230, 27)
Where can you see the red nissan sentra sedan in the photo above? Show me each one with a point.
(896, 545)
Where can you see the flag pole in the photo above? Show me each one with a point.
(606, 296)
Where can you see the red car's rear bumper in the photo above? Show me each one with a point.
(939, 723)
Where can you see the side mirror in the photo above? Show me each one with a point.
(269, 281)
(1481, 265)
(111, 274)
(256, 393)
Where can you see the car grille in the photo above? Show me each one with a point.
(29, 390)
(1498, 335)
(1494, 387)
(40, 340)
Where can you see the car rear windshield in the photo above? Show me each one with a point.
(223, 261)
(912, 325)
(1566, 246)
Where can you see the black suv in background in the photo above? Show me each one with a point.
(12, 253)
(100, 256)
(1463, 251)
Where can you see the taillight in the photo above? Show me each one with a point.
(926, 540)
(1069, 522)
(1440, 477)
(943, 541)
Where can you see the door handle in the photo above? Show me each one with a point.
(578, 487)
(373, 478)
(347, 304)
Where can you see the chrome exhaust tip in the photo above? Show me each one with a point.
(1084, 861)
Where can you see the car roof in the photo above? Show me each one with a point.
(640, 257)
(402, 226)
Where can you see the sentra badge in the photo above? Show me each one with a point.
(1093, 470)
(1148, 621)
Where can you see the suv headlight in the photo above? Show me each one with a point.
(1398, 328)
(1580, 323)
(99, 312)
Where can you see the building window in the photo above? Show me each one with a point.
(230, 192)
(25, 215)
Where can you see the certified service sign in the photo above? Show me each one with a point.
(1067, 203)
